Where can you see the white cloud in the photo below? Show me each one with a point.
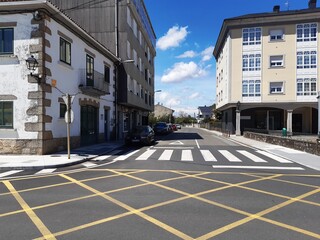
(188, 54)
(194, 95)
(207, 54)
(183, 71)
(172, 38)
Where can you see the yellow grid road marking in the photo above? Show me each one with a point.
(31, 214)
(131, 209)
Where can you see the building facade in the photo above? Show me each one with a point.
(124, 27)
(32, 103)
(267, 71)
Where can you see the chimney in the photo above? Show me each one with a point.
(276, 8)
(312, 4)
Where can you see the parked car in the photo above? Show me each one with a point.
(141, 135)
(161, 128)
(178, 126)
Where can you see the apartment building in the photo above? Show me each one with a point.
(124, 27)
(267, 71)
(33, 99)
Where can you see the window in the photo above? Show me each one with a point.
(276, 61)
(251, 62)
(306, 59)
(276, 87)
(306, 86)
(251, 36)
(276, 35)
(90, 70)
(107, 74)
(63, 109)
(307, 32)
(251, 88)
(65, 51)
(6, 114)
(6, 40)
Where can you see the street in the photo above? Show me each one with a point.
(191, 184)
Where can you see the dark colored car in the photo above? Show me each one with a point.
(174, 127)
(161, 128)
(141, 135)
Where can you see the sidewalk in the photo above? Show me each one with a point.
(60, 159)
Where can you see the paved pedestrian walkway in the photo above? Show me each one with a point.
(56, 160)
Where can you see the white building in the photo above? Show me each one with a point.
(70, 62)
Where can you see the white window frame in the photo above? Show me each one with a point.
(307, 59)
(276, 35)
(306, 86)
(276, 87)
(307, 32)
(276, 61)
(251, 36)
(251, 62)
(251, 88)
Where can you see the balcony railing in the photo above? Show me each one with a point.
(93, 84)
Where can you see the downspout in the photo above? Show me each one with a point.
(116, 34)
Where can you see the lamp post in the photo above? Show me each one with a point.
(32, 65)
(238, 132)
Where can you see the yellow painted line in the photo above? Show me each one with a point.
(32, 215)
(256, 190)
(131, 209)
(262, 213)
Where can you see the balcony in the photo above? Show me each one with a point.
(93, 84)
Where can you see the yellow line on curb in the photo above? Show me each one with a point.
(31, 214)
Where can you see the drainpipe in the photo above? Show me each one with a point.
(116, 35)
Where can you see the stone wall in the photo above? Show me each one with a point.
(306, 146)
(36, 146)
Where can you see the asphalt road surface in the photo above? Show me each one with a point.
(190, 185)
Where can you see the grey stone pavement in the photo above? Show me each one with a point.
(83, 154)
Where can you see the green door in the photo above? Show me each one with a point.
(89, 125)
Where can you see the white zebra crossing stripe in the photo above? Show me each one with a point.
(228, 155)
(251, 156)
(166, 155)
(105, 157)
(124, 157)
(46, 171)
(207, 155)
(257, 167)
(146, 154)
(186, 155)
(5, 174)
(89, 164)
(274, 157)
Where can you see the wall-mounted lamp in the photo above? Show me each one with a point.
(32, 64)
(238, 105)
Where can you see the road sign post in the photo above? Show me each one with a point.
(68, 118)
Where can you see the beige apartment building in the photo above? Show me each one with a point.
(267, 71)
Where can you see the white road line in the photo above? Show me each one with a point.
(207, 155)
(229, 156)
(105, 157)
(251, 156)
(197, 143)
(146, 155)
(274, 157)
(89, 164)
(45, 171)
(166, 155)
(169, 147)
(101, 158)
(258, 167)
(5, 174)
(186, 155)
(124, 157)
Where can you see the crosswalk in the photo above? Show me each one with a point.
(242, 159)
(188, 155)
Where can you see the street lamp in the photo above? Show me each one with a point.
(32, 64)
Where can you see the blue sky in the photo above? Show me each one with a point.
(186, 34)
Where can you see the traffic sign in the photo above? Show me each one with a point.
(71, 116)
